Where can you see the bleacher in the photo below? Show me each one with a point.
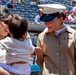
(29, 11)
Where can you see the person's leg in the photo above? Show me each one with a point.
(23, 1)
(24, 69)
(19, 1)
(3, 72)
(9, 68)
(14, 74)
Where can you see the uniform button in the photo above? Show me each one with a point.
(57, 70)
(57, 45)
(57, 62)
(57, 54)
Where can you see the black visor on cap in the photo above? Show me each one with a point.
(48, 17)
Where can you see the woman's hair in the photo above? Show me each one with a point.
(17, 26)
(61, 15)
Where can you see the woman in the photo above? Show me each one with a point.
(3, 33)
(4, 15)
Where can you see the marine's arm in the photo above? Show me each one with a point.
(39, 56)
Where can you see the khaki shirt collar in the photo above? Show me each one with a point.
(65, 30)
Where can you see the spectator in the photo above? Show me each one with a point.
(4, 1)
(58, 43)
(42, 1)
(66, 15)
(71, 16)
(20, 1)
(74, 9)
(33, 2)
(73, 2)
(4, 15)
(10, 4)
(0, 1)
(23, 1)
(37, 17)
(19, 47)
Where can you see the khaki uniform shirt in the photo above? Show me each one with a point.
(59, 52)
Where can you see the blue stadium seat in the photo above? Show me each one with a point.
(35, 68)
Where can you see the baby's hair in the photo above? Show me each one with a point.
(17, 26)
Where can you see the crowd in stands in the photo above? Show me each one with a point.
(17, 1)
(34, 2)
(37, 17)
(10, 4)
(70, 16)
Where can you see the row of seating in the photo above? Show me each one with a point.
(26, 10)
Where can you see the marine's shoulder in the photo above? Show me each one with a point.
(70, 29)
(42, 33)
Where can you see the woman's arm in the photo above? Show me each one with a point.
(3, 72)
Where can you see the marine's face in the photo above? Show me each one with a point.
(53, 25)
